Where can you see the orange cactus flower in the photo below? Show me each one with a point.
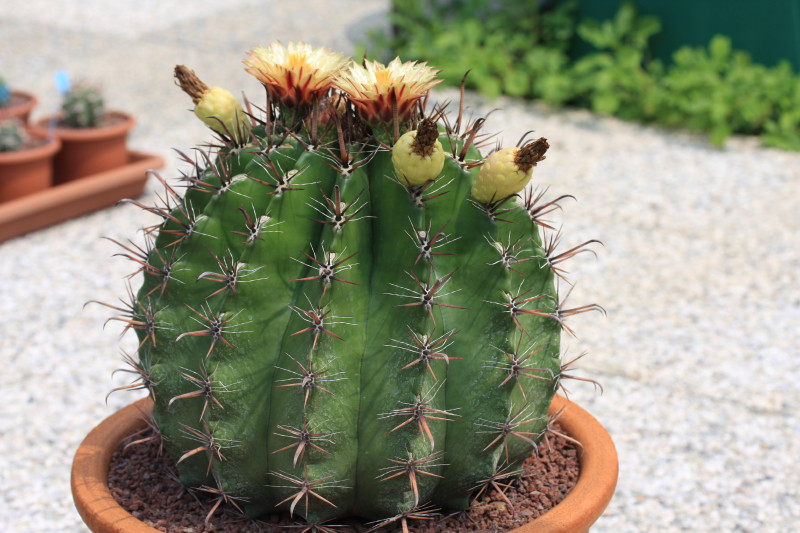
(376, 89)
(297, 74)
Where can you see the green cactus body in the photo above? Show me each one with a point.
(12, 135)
(320, 338)
(83, 107)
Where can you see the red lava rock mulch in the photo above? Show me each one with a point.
(146, 485)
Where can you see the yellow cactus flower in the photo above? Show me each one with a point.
(215, 106)
(418, 156)
(506, 172)
(297, 74)
(377, 89)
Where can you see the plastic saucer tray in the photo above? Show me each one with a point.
(75, 198)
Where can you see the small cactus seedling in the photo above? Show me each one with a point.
(82, 107)
(351, 311)
(13, 136)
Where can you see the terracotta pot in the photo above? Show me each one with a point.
(25, 172)
(19, 106)
(88, 151)
(579, 510)
(599, 470)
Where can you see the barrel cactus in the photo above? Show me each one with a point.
(350, 311)
(82, 106)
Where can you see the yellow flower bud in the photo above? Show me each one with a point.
(418, 156)
(215, 106)
(506, 172)
(222, 112)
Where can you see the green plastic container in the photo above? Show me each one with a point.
(768, 29)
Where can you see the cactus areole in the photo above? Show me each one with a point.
(333, 324)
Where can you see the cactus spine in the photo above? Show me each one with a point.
(335, 321)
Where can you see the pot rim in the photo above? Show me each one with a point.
(26, 155)
(21, 108)
(597, 481)
(42, 127)
(25, 94)
(579, 510)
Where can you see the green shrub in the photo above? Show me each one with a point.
(613, 80)
(720, 91)
(506, 46)
(522, 50)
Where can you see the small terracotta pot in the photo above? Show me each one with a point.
(88, 151)
(579, 510)
(28, 171)
(19, 106)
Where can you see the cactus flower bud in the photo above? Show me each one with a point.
(221, 111)
(506, 172)
(418, 156)
(215, 106)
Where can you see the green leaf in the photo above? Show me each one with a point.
(591, 32)
(719, 134)
(720, 48)
(605, 103)
(487, 84)
(517, 83)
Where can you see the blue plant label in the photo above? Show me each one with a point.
(62, 81)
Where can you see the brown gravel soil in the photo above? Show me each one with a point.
(145, 483)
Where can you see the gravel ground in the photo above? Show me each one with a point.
(698, 356)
